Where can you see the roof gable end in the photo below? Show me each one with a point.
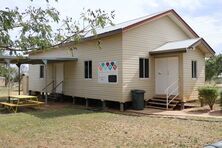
(174, 17)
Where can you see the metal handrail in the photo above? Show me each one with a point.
(172, 92)
(171, 85)
(168, 94)
(57, 85)
(48, 85)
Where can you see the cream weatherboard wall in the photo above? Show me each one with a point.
(35, 82)
(137, 43)
(74, 82)
(61, 52)
(190, 85)
(77, 85)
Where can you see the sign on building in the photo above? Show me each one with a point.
(107, 72)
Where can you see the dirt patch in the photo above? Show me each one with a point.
(216, 113)
(198, 111)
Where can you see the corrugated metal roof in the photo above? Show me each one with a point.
(176, 45)
(123, 25)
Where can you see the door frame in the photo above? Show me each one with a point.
(180, 70)
(55, 76)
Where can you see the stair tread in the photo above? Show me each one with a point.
(156, 107)
(163, 104)
(162, 100)
(164, 97)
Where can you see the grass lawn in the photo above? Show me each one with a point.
(72, 126)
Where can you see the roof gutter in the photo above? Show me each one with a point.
(168, 51)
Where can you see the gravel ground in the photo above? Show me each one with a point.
(73, 127)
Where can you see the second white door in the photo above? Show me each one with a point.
(59, 77)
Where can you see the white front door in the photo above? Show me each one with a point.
(166, 73)
(59, 77)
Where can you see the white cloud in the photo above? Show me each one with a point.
(208, 27)
(188, 4)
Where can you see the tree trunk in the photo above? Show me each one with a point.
(211, 107)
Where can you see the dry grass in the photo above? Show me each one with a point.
(75, 127)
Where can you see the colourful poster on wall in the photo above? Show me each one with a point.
(107, 72)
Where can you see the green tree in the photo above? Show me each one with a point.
(8, 72)
(213, 67)
(34, 31)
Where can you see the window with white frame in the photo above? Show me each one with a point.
(143, 68)
(88, 69)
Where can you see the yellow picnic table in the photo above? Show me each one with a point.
(16, 101)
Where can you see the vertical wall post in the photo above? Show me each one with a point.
(46, 79)
(87, 103)
(121, 107)
(182, 105)
(103, 104)
(7, 61)
(73, 100)
(19, 75)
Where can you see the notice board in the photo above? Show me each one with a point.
(107, 72)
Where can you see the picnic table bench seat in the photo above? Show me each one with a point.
(8, 104)
(35, 102)
(32, 103)
(14, 106)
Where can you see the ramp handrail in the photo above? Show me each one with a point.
(57, 85)
(168, 94)
(48, 85)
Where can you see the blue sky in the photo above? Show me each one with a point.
(204, 16)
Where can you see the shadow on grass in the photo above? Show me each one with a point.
(54, 113)
(51, 111)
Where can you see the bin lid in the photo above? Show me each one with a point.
(138, 91)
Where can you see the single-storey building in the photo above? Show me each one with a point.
(159, 53)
